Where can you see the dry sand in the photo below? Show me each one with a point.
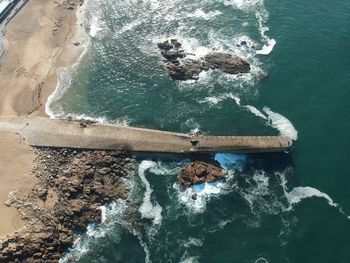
(39, 40)
(15, 175)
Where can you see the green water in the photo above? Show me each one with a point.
(273, 208)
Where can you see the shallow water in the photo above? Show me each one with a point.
(288, 207)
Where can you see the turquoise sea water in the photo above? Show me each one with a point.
(273, 207)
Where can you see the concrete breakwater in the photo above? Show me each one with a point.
(46, 132)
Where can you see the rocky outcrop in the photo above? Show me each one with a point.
(181, 68)
(200, 172)
(71, 187)
(227, 63)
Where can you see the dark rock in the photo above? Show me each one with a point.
(173, 54)
(180, 68)
(227, 63)
(188, 69)
(200, 172)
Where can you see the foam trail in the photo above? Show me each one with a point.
(255, 111)
(282, 124)
(214, 100)
(303, 192)
(297, 194)
(148, 209)
(143, 245)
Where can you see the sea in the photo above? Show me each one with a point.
(283, 207)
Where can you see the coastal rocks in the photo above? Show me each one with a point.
(72, 185)
(200, 172)
(181, 68)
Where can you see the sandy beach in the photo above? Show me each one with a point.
(39, 39)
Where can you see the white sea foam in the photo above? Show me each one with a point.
(297, 194)
(95, 26)
(185, 259)
(143, 245)
(281, 123)
(255, 111)
(193, 242)
(149, 209)
(267, 48)
(261, 260)
(198, 204)
(199, 13)
(192, 126)
(215, 100)
(243, 4)
(262, 16)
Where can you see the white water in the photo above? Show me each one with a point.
(255, 111)
(281, 123)
(203, 15)
(149, 209)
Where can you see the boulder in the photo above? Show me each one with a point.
(200, 172)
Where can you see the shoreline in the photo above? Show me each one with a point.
(36, 47)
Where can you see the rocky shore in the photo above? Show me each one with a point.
(181, 68)
(71, 187)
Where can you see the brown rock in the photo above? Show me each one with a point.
(200, 172)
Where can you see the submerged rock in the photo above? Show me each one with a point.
(181, 68)
(200, 172)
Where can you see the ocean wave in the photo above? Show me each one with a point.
(281, 123)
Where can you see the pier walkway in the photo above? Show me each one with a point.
(46, 132)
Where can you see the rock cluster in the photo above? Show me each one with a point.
(181, 68)
(200, 172)
(71, 187)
